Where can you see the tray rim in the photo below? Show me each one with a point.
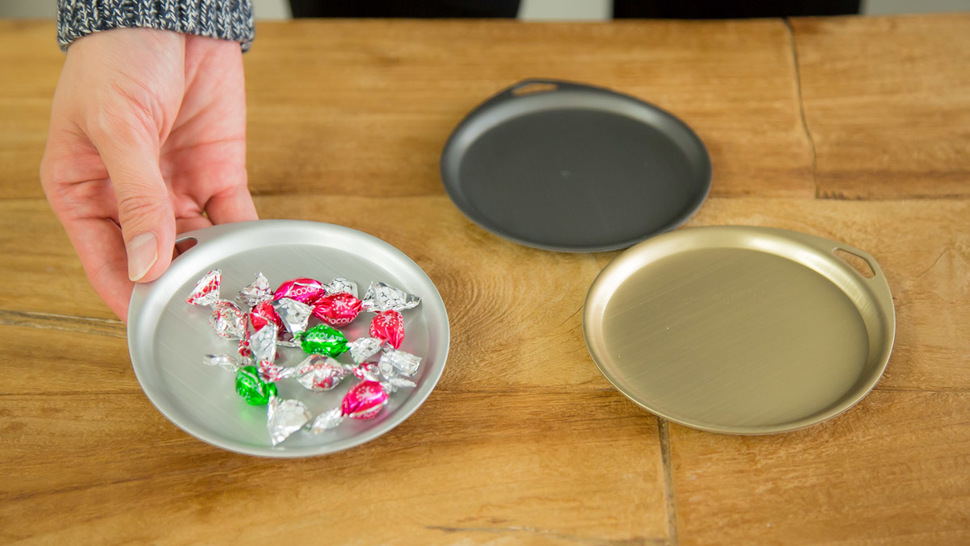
(212, 235)
(500, 98)
(818, 245)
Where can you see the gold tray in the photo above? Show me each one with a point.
(741, 330)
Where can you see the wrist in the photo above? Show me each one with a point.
(224, 19)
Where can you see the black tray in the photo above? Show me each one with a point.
(570, 167)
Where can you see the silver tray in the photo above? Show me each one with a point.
(168, 337)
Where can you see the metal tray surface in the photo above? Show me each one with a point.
(570, 167)
(168, 337)
(740, 330)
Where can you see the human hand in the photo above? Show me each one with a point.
(147, 139)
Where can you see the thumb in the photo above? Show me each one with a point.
(144, 204)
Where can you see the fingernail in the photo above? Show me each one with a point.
(142, 254)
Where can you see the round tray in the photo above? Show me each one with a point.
(570, 167)
(740, 330)
(167, 337)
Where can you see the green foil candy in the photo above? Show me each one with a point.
(324, 340)
(252, 388)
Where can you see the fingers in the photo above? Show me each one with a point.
(234, 204)
(102, 253)
(145, 212)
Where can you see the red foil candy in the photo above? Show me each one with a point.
(264, 314)
(364, 400)
(206, 291)
(337, 309)
(302, 290)
(388, 326)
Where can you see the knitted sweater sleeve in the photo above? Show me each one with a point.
(224, 19)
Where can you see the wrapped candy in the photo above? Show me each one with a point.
(394, 362)
(320, 373)
(272, 372)
(380, 365)
(244, 349)
(252, 388)
(339, 285)
(388, 326)
(364, 401)
(225, 362)
(227, 320)
(380, 297)
(263, 314)
(338, 309)
(293, 314)
(363, 348)
(284, 417)
(323, 340)
(263, 344)
(206, 291)
(256, 293)
(367, 372)
(302, 290)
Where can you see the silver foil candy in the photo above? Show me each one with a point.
(381, 297)
(227, 320)
(226, 362)
(263, 344)
(394, 360)
(273, 372)
(392, 384)
(363, 348)
(367, 372)
(339, 285)
(293, 314)
(284, 417)
(327, 420)
(320, 373)
(256, 293)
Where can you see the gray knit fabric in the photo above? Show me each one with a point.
(225, 19)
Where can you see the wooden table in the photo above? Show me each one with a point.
(855, 129)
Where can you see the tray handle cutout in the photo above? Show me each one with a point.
(531, 87)
(856, 261)
(183, 244)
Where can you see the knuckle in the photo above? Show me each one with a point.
(140, 207)
(123, 110)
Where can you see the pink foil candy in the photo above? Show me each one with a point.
(364, 401)
(388, 326)
(303, 290)
(337, 309)
(206, 291)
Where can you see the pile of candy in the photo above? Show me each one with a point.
(263, 321)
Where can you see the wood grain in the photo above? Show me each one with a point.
(29, 64)
(477, 467)
(365, 108)
(893, 470)
(887, 102)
